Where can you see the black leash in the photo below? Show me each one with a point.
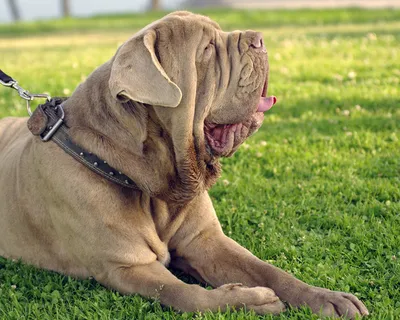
(47, 122)
(5, 79)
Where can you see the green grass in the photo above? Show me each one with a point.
(316, 191)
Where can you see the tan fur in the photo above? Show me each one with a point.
(144, 112)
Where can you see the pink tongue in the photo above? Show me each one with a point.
(266, 103)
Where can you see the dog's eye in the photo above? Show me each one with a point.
(209, 46)
(208, 50)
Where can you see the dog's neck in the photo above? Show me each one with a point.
(130, 138)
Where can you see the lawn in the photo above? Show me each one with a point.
(316, 191)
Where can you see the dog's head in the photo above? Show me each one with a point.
(207, 87)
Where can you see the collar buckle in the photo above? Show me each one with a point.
(54, 128)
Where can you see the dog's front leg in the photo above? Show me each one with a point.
(201, 248)
(155, 281)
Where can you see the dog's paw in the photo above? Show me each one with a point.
(260, 299)
(335, 304)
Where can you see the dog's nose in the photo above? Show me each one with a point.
(257, 42)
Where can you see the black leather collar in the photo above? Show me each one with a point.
(47, 121)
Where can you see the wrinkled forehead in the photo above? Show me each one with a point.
(184, 25)
(193, 18)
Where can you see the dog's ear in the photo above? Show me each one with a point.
(137, 74)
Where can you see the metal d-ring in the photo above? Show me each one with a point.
(31, 97)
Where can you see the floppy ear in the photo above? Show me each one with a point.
(137, 74)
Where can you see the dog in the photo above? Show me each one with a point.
(175, 98)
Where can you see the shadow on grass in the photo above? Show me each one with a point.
(331, 127)
(297, 119)
(295, 108)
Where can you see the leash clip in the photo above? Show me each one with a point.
(24, 94)
(7, 81)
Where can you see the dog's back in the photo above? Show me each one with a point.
(11, 130)
(15, 140)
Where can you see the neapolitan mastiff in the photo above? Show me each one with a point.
(175, 98)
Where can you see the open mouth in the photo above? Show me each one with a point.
(223, 139)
